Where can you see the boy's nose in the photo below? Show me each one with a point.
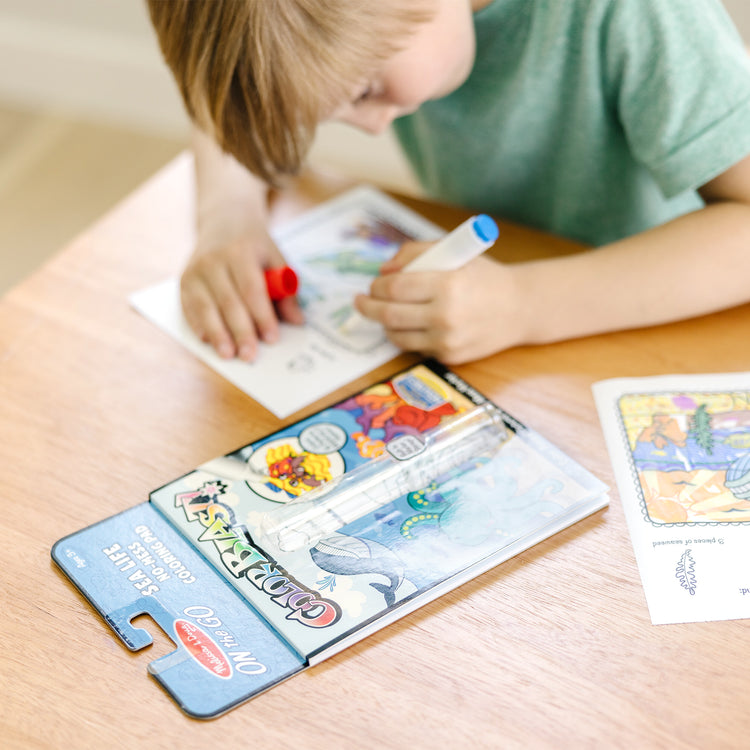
(374, 119)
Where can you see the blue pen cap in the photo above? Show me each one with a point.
(485, 228)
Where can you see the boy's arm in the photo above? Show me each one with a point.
(693, 265)
(223, 289)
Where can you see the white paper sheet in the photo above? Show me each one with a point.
(680, 448)
(336, 250)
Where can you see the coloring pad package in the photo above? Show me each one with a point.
(272, 558)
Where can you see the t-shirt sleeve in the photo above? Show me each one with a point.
(678, 78)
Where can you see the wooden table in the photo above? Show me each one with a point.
(552, 649)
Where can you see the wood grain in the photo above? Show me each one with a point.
(552, 649)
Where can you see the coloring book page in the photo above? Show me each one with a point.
(680, 448)
(336, 250)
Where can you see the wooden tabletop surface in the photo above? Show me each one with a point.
(553, 648)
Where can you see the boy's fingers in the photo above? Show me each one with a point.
(226, 318)
(410, 341)
(411, 328)
(205, 319)
(394, 316)
(429, 345)
(418, 287)
(290, 311)
(237, 319)
(406, 253)
(252, 293)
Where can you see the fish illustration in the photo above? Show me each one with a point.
(350, 556)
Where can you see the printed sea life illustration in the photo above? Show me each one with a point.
(330, 317)
(381, 412)
(349, 556)
(470, 515)
(296, 470)
(691, 455)
(363, 248)
(738, 477)
(349, 262)
(334, 272)
(469, 509)
(288, 470)
(685, 572)
(379, 231)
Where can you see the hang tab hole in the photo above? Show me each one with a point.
(162, 642)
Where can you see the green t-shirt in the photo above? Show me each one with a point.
(593, 119)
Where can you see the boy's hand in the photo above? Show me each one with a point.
(223, 287)
(455, 316)
(224, 295)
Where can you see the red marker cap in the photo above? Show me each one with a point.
(281, 282)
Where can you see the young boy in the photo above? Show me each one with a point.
(621, 123)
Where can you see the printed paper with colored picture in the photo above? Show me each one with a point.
(680, 447)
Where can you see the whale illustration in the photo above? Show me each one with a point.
(350, 556)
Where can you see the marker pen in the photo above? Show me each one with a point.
(465, 242)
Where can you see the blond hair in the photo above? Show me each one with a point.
(259, 75)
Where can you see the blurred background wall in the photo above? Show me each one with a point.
(98, 59)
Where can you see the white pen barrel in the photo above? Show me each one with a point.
(457, 248)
